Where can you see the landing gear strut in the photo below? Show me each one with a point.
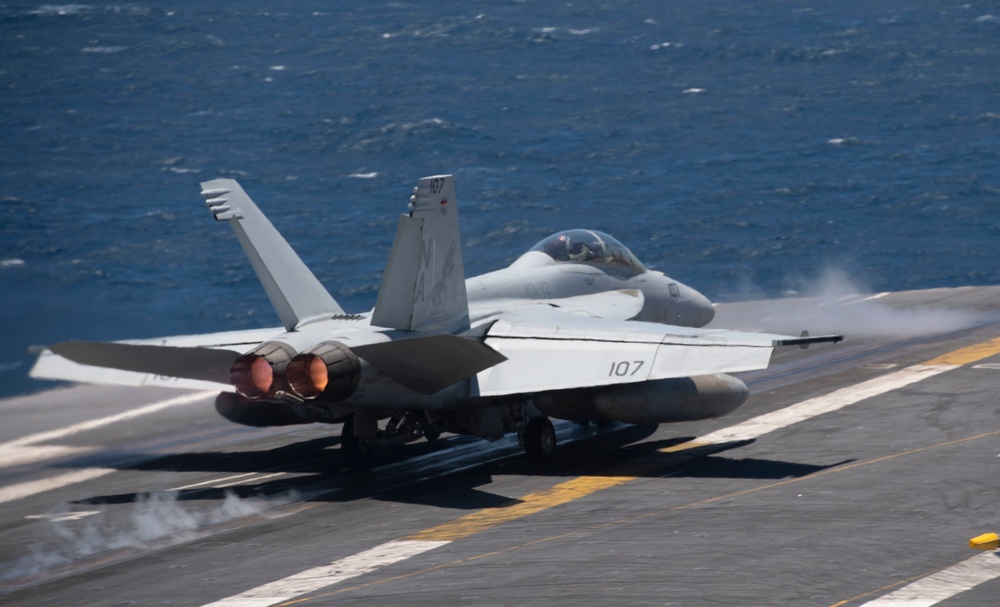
(355, 449)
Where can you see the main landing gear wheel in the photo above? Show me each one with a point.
(355, 450)
(430, 432)
(539, 440)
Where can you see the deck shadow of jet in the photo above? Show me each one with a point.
(401, 475)
(615, 454)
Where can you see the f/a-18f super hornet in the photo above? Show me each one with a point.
(576, 328)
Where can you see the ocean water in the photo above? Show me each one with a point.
(743, 147)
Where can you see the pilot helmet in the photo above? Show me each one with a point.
(558, 248)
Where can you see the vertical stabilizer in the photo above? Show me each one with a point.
(296, 294)
(423, 287)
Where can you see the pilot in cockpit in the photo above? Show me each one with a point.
(591, 247)
(580, 252)
(558, 248)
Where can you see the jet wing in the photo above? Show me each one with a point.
(552, 350)
(197, 362)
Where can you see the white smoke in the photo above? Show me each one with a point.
(154, 519)
(834, 303)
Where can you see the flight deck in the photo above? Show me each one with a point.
(855, 475)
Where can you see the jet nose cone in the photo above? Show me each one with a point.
(704, 312)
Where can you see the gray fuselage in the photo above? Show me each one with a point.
(535, 275)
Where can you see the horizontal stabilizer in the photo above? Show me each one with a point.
(204, 364)
(429, 364)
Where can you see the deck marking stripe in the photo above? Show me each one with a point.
(29, 488)
(16, 455)
(530, 504)
(313, 579)
(969, 354)
(828, 403)
(944, 584)
(838, 399)
(259, 477)
(562, 493)
(213, 481)
(20, 451)
(647, 515)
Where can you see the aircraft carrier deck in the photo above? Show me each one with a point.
(854, 475)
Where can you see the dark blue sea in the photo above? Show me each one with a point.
(743, 147)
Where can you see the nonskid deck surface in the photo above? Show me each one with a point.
(856, 473)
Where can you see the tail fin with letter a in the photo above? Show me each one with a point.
(295, 292)
(423, 287)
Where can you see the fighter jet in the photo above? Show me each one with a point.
(576, 328)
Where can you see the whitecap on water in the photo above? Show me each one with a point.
(371, 175)
(11, 263)
(60, 9)
(106, 50)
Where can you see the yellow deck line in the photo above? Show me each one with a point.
(970, 354)
(565, 492)
(530, 504)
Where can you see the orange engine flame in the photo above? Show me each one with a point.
(261, 374)
(252, 376)
(307, 375)
(318, 376)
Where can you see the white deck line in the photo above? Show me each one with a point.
(838, 399)
(213, 481)
(944, 584)
(256, 479)
(312, 580)
(21, 451)
(29, 488)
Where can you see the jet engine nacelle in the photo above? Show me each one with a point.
(651, 402)
(259, 373)
(329, 370)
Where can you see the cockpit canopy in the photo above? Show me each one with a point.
(589, 246)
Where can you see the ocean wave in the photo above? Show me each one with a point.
(47, 10)
(106, 50)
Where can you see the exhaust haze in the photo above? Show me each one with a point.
(834, 303)
(154, 518)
